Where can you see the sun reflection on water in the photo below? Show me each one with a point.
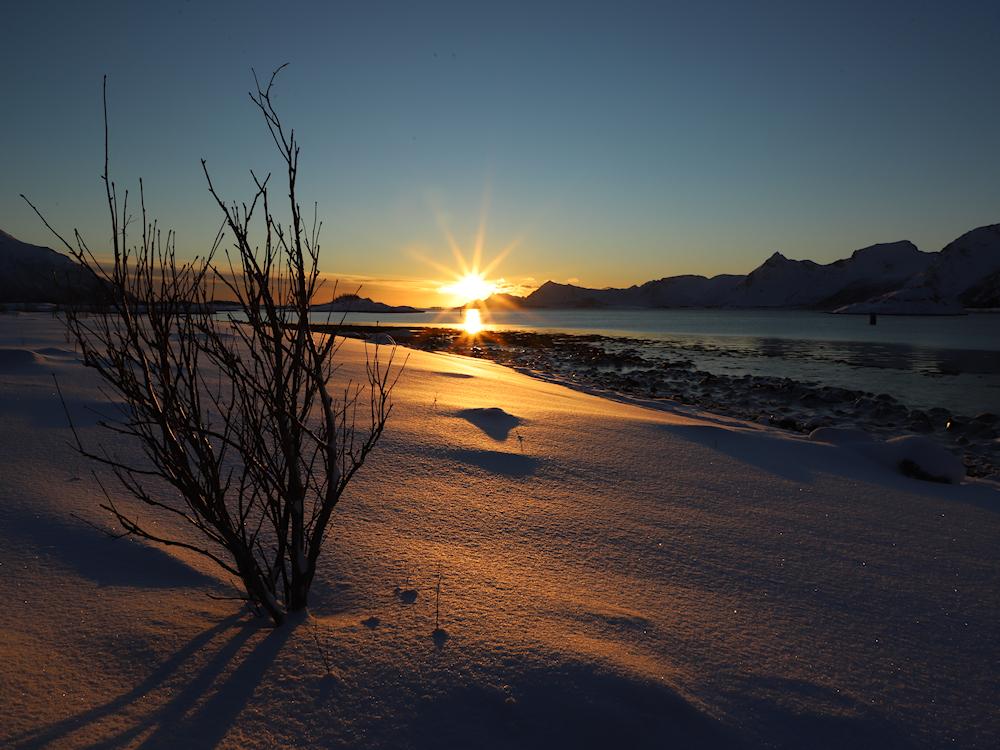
(473, 322)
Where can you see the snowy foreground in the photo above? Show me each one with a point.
(616, 577)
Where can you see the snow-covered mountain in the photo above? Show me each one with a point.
(781, 282)
(32, 273)
(673, 291)
(967, 266)
(887, 277)
(966, 273)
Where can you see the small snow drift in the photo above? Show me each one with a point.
(921, 458)
(92, 555)
(14, 360)
(764, 451)
(840, 436)
(57, 352)
(912, 455)
(565, 702)
(494, 421)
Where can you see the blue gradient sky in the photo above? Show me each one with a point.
(617, 142)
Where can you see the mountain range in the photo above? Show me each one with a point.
(893, 277)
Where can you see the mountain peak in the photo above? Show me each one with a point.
(33, 273)
(900, 248)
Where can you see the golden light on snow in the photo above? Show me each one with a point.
(473, 321)
(470, 288)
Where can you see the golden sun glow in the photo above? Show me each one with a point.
(473, 321)
(470, 288)
(471, 282)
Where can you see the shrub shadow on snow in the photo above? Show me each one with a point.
(495, 422)
(334, 598)
(578, 705)
(208, 682)
(497, 462)
(209, 703)
(459, 375)
(98, 557)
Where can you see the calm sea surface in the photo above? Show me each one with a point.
(951, 362)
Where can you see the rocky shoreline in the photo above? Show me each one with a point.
(623, 367)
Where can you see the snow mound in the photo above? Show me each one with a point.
(840, 435)
(913, 455)
(921, 458)
(493, 420)
(565, 703)
(72, 546)
(55, 351)
(13, 360)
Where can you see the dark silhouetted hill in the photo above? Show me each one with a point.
(32, 273)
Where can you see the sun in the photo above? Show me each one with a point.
(471, 279)
(470, 288)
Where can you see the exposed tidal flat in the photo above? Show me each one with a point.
(796, 370)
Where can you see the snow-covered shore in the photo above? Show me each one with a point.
(611, 576)
(656, 375)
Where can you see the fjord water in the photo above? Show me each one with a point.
(924, 361)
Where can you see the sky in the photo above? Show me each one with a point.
(604, 144)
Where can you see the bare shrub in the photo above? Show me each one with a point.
(242, 433)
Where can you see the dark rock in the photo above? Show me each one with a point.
(920, 422)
